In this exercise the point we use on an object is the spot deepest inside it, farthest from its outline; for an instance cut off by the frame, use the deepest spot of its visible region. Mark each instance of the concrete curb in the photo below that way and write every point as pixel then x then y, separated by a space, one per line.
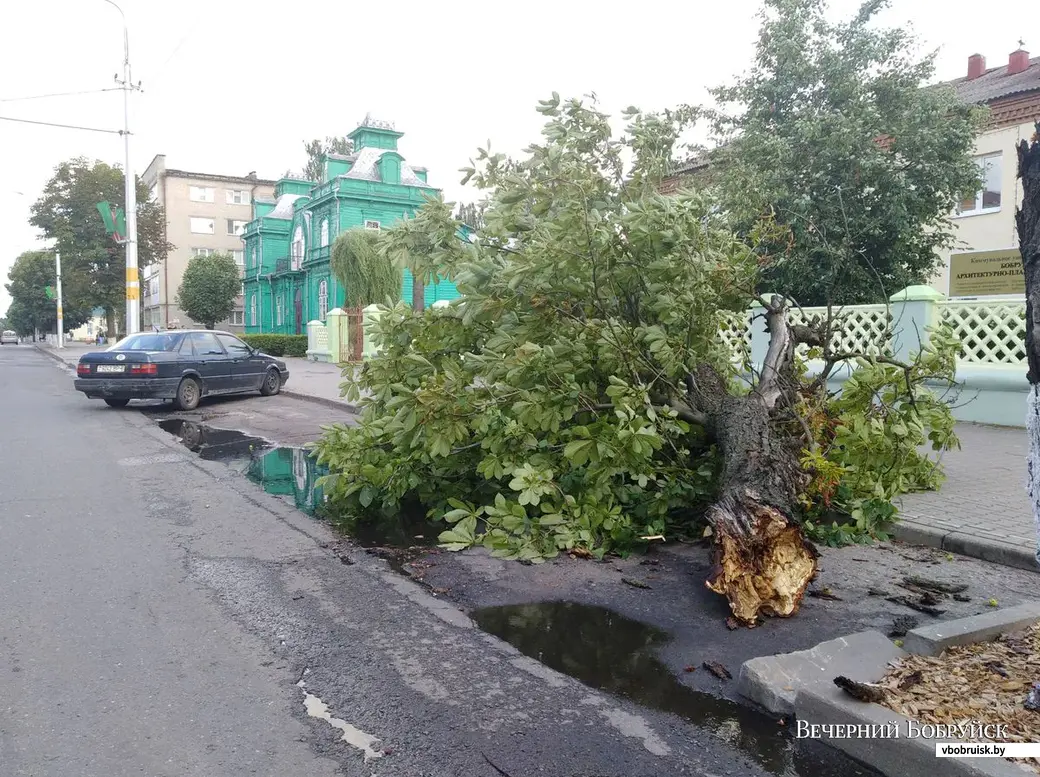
pixel 338 404
pixel 56 356
pixel 996 551
pixel 933 639
pixel 888 744
pixel 893 756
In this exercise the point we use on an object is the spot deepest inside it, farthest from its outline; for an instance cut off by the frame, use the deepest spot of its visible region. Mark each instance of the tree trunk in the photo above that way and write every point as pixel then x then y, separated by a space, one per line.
pixel 110 322
pixel 1027 220
pixel 418 293
pixel 763 562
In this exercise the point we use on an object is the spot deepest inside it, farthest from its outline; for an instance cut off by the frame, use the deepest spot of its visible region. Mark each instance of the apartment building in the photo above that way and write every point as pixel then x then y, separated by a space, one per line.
pixel 205 214
pixel 986 262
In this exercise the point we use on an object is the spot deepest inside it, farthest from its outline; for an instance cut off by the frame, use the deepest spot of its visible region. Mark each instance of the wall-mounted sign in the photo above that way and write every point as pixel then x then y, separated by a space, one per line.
pixel 987 273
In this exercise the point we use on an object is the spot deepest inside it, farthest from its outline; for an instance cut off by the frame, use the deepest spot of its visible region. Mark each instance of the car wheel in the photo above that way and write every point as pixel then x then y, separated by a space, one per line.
pixel 272 383
pixel 116 402
pixel 188 394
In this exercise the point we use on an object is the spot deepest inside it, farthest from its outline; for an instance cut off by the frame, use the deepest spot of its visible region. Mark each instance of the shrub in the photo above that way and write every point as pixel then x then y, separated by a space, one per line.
pixel 279 345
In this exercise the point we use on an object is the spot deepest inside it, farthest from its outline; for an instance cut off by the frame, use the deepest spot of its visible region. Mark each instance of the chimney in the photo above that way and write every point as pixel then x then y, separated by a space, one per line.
pixel 1018 62
pixel 976 66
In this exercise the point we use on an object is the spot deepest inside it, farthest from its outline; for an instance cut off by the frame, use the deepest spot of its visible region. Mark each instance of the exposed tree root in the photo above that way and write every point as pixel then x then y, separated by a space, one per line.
pixel 763 570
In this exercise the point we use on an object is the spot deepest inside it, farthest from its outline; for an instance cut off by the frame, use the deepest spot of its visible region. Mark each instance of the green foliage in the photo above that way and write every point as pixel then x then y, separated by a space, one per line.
pixel 877 440
pixel 32 308
pixel 833 132
pixel 316 150
pixel 279 345
pixel 93 264
pixel 368 276
pixel 209 288
pixel 534 415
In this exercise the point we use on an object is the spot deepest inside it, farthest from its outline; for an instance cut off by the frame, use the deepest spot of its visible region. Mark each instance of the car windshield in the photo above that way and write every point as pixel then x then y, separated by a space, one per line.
pixel 148 342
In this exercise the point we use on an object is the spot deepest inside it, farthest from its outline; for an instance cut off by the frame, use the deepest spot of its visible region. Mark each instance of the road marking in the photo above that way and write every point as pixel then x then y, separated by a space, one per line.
pixel 352 735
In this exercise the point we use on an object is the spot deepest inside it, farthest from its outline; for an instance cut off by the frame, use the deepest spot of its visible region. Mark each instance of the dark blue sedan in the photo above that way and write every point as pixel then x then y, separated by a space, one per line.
pixel 182 365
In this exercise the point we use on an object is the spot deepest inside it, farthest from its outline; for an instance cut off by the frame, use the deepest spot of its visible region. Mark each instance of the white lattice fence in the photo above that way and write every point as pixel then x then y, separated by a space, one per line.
pixel 736 334
pixel 857 329
pixel 990 332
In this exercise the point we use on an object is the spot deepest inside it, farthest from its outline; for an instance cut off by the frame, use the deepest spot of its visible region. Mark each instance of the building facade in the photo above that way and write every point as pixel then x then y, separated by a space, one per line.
pixel 288 242
pixel 205 214
pixel 986 262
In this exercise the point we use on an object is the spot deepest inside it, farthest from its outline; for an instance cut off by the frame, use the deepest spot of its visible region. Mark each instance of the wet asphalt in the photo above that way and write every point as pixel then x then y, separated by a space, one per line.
pixel 158 612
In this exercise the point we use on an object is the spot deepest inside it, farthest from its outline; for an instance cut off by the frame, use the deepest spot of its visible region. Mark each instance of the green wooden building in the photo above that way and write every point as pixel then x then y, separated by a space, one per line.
pixel 288 281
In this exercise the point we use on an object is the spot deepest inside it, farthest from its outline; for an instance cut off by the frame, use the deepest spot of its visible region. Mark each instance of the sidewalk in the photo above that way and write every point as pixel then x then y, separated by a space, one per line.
pixel 313 381
pixel 982 509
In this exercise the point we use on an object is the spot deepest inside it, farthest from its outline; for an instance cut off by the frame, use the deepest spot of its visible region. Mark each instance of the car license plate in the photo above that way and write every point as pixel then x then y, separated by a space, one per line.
pixel 110 367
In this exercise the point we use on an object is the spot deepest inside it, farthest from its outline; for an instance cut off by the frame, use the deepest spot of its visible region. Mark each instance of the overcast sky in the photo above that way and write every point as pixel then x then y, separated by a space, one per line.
pixel 233 86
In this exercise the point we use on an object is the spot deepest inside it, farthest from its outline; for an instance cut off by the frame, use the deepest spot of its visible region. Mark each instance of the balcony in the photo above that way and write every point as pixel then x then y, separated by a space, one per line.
pixel 287 264
pixel 318 254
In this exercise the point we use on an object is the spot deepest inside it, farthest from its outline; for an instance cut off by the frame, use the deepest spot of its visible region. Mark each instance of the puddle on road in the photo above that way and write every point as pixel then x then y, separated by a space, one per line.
pixel 210 443
pixel 292 473
pixel 615 654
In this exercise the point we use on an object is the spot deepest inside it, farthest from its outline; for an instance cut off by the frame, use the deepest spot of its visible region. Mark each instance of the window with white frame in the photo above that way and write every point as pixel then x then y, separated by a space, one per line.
pixel 200 193
pixel 278 310
pixel 237 317
pixel 200 226
pixel 252 310
pixel 240 257
pixel 987 198
pixel 237 196
pixel 324 232
pixel 323 300
pixel 202 252
pixel 235 227
pixel 371 224
pixel 297 247
pixel 253 263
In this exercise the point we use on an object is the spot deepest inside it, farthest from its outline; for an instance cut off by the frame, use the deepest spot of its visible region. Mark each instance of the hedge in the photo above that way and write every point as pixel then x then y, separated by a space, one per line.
pixel 279 345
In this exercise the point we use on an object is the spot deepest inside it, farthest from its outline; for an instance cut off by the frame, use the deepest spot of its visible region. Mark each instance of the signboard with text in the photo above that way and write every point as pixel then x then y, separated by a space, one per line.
pixel 987 273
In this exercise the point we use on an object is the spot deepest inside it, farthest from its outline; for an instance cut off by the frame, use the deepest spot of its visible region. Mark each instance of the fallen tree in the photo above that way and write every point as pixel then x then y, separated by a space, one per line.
pixel 579 397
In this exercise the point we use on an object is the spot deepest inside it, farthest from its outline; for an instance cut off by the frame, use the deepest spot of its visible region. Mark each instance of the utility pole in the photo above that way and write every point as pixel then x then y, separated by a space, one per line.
pixel 57 298
pixel 133 282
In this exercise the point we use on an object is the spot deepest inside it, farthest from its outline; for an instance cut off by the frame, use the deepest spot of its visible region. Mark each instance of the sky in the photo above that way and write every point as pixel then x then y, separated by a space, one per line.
pixel 231 86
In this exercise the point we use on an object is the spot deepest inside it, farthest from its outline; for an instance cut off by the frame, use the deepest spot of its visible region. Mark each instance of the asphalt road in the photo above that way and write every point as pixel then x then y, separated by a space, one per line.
pixel 158 614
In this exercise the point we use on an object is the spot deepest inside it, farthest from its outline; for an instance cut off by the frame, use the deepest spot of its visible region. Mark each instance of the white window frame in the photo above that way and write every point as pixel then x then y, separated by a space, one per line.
pixel 236 196
pixel 371 224
pixel 979 209
pixel 197 224
pixel 298 248
pixel 278 310
pixel 239 255
pixel 201 193
pixel 324 233
pixel 252 310
pixel 236 227
pixel 203 251
pixel 238 317
pixel 253 265
pixel 323 299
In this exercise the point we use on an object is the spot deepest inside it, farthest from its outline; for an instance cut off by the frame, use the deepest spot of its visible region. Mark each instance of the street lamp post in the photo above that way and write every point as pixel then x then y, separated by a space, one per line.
pixel 57 298
pixel 133 283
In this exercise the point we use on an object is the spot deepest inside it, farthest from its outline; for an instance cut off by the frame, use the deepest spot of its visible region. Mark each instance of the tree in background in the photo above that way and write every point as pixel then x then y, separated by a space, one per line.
pixel 33 307
pixel 832 134
pixel 471 214
pixel 366 273
pixel 316 149
pixel 209 288
pixel 93 264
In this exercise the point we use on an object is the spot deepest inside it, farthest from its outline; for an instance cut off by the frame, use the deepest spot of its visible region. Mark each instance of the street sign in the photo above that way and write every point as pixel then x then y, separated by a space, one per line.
pixel 115 221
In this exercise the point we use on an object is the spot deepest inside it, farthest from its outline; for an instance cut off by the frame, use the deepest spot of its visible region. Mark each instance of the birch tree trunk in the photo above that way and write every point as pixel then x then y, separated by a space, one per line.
pixel 1027 219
